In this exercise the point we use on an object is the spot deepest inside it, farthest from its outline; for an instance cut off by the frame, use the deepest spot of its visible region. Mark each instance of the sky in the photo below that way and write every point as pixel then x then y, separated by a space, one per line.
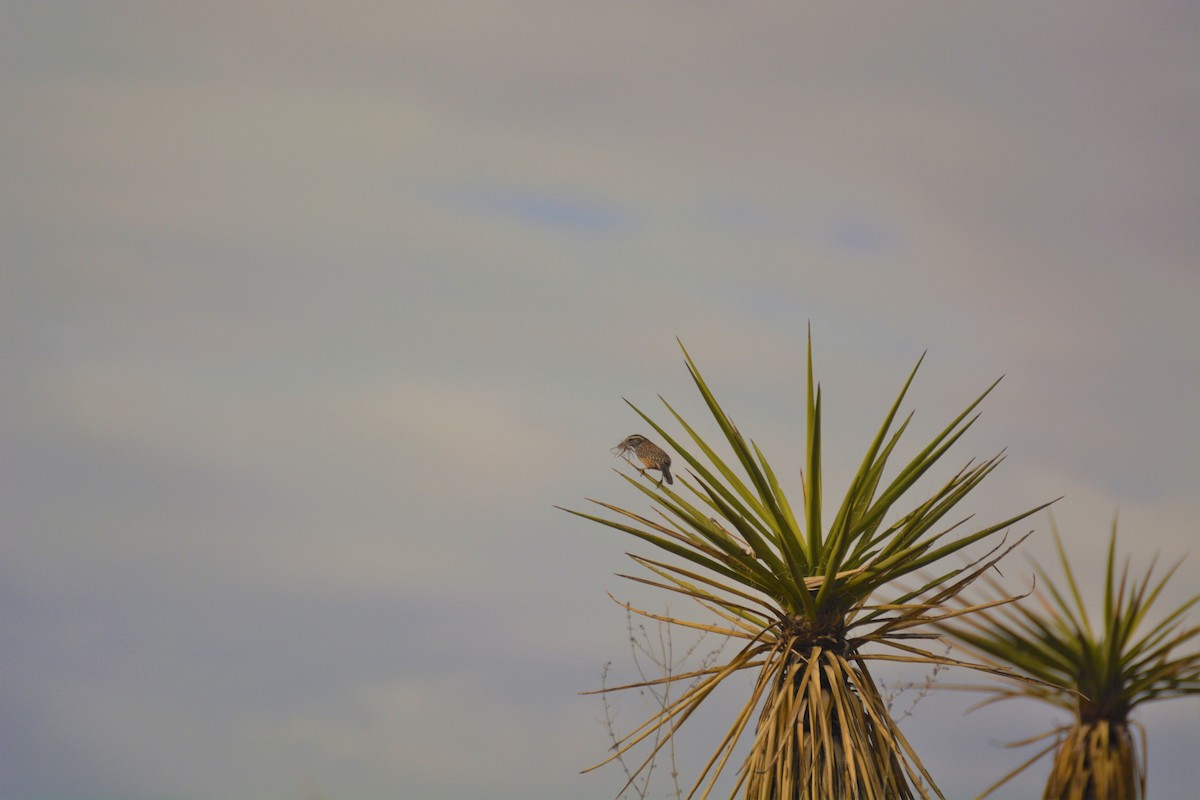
pixel 311 314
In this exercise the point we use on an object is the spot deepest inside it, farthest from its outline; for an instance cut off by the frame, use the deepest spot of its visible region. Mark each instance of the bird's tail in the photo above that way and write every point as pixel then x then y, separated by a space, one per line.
pixel 666 473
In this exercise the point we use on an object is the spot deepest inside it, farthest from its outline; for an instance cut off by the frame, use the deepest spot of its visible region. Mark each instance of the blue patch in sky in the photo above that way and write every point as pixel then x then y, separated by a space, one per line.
pixel 563 212
pixel 858 235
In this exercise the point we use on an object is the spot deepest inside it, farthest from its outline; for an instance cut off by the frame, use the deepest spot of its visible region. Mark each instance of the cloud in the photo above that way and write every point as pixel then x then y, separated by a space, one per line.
pixel 405 471
pixel 423 734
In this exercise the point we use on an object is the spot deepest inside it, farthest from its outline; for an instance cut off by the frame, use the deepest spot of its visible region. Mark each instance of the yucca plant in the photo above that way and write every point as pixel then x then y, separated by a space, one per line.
pixel 802 598
pixel 1097 674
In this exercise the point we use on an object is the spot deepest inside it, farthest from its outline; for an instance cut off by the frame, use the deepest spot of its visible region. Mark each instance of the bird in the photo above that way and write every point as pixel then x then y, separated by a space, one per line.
pixel 651 455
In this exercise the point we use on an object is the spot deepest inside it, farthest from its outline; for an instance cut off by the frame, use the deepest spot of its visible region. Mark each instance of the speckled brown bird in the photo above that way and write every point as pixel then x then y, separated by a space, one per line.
pixel 651 455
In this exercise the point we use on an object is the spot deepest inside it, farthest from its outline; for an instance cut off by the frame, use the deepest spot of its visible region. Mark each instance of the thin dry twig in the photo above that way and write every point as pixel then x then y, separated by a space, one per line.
pixel 654 654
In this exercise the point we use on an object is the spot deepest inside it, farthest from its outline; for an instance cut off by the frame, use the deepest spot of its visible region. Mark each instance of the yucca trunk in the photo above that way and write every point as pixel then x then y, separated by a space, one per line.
pixel 824 732
pixel 1096 761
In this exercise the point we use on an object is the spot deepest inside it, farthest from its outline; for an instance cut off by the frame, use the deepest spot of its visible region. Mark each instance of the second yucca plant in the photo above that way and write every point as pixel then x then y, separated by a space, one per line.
pixel 803 598
pixel 1096 673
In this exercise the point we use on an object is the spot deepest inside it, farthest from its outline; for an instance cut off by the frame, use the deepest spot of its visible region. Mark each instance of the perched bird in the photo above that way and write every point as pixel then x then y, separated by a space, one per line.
pixel 651 455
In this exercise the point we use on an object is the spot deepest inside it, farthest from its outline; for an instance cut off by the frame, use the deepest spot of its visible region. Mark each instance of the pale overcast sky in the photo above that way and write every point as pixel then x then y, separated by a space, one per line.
pixel 309 313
